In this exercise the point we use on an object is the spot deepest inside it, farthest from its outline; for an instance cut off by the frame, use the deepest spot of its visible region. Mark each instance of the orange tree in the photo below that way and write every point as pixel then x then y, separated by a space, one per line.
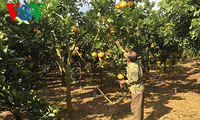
pixel 19 74
pixel 182 26
pixel 54 37
pixel 136 27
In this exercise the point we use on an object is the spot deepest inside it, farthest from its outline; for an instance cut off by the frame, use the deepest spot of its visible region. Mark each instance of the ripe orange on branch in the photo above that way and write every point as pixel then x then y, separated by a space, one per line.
pixel 74 53
pixel 101 20
pixel 77 48
pixel 102 59
pixel 117 6
pixel 39 32
pixel 123 4
pixel 158 62
pixel 120 76
pixel 108 35
pixel 81 53
pixel 94 54
pixel 130 3
pixel 105 63
pixel 127 49
pixel 73 28
pixel 152 45
pixel 101 54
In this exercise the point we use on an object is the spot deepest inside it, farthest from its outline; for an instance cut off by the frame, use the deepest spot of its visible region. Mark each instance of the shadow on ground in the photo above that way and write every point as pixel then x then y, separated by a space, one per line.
pixel 162 85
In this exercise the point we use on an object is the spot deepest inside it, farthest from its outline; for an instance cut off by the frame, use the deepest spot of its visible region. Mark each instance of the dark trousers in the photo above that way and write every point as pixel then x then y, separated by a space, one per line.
pixel 137 106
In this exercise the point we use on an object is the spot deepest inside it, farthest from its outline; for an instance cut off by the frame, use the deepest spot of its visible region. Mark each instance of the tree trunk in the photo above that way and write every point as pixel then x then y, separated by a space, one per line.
pixel 18 117
pixel 68 75
pixel 165 67
pixel 63 78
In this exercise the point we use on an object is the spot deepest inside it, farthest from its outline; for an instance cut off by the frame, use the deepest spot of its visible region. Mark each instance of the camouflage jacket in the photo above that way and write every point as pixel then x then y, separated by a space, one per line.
pixel 134 75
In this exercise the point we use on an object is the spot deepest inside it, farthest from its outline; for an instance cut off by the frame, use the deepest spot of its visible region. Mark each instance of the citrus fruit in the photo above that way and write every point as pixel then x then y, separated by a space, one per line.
pixel 120 76
pixel 77 48
pixel 158 62
pixel 73 28
pixel 94 54
pixel 105 63
pixel 101 54
pixel 149 65
pixel 81 53
pixel 111 29
pixel 78 31
pixel 152 45
pixel 131 3
pixel 39 32
pixel 74 53
pixel 101 59
pixel 123 4
pixel 61 50
pixel 126 49
pixel 117 6
pixel 108 35
pixel 110 51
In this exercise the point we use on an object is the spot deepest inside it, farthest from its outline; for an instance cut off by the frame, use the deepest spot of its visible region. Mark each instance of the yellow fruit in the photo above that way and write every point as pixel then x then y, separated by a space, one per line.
pixel 48 68
pixel 110 51
pixel 152 45
pixel 39 32
pixel 94 54
pixel 150 56
pixel 117 6
pixel 29 57
pixel 41 53
pixel 77 48
pixel 126 49
pixel 108 35
pixel 61 50
pixel 102 59
pixel 74 28
pixel 81 53
pixel 78 31
pixel 101 19
pixel 131 3
pixel 74 53
pixel 111 29
pixel 158 62
pixel 149 65
pixel 123 4
pixel 120 76
pixel 110 41
pixel 105 63
pixel 151 93
pixel 101 54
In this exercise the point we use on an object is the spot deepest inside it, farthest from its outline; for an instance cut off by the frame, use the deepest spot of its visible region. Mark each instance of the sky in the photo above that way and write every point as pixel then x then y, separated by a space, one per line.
pixel 85 7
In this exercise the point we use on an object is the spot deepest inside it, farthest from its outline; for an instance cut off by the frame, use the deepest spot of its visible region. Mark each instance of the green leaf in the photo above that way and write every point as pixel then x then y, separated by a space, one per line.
pixel 52 115
pixel 2 47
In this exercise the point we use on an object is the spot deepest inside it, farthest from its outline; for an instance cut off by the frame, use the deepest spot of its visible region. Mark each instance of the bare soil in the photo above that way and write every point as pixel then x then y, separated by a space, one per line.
pixel 176 96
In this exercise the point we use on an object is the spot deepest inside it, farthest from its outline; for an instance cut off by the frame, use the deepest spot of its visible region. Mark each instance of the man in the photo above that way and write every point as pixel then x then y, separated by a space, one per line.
pixel 135 83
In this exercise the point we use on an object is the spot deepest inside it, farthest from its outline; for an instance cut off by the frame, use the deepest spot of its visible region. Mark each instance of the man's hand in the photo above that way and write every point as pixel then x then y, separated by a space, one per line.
pixel 122 81
pixel 118 44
